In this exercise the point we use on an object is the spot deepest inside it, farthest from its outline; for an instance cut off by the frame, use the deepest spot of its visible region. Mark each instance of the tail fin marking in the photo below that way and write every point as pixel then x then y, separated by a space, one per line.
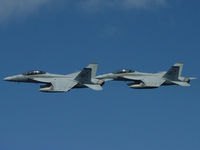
pixel 84 76
pixel 174 72
pixel 93 67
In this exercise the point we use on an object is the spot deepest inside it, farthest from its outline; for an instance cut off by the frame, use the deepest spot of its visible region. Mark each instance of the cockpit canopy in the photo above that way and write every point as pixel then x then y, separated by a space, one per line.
pixel 123 71
pixel 34 72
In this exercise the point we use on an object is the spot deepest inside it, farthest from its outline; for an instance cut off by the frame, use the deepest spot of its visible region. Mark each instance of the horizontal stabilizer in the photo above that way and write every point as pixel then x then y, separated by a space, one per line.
pixel 94 87
pixel 181 83
pixel 192 78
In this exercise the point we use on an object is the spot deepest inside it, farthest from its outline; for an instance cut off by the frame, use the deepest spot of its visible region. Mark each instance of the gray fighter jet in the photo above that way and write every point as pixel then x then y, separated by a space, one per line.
pixel 139 80
pixel 61 83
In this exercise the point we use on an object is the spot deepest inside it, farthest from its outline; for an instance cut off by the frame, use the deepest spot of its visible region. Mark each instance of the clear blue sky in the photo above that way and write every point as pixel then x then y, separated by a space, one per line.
pixel 65 36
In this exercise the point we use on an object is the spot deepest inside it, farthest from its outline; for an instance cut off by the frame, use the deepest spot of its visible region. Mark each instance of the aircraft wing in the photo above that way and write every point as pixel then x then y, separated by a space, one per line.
pixel 148 81
pixel 59 84
pixel 63 84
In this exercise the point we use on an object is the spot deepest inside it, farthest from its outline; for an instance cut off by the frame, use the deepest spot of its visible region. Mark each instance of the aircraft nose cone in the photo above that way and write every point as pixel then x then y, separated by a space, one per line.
pixel 16 78
pixel 8 79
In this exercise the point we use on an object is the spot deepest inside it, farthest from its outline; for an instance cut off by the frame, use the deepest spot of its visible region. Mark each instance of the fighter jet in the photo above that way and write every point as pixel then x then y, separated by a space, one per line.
pixel 61 83
pixel 140 80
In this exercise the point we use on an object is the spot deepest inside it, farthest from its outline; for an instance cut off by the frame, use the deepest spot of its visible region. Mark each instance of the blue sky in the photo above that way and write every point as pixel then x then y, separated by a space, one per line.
pixel 65 36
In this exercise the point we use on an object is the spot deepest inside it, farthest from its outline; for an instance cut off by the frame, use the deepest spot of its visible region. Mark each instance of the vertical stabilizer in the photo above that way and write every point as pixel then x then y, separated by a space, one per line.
pixel 180 65
pixel 87 75
pixel 84 76
pixel 93 67
pixel 174 72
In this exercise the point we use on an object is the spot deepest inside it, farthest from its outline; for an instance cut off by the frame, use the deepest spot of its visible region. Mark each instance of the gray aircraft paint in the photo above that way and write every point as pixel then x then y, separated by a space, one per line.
pixel 140 80
pixel 61 83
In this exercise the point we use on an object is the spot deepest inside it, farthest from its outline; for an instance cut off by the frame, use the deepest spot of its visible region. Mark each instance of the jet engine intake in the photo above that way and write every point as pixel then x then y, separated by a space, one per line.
pixel 46 88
